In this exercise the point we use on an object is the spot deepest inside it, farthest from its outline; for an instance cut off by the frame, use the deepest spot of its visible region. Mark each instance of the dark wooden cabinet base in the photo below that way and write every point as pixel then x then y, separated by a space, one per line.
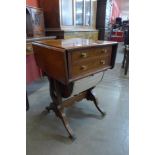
pixel 58 105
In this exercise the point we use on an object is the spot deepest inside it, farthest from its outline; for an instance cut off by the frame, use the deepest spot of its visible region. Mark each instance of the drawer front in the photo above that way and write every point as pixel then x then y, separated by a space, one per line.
pixel 92 52
pixel 90 65
pixel 88 61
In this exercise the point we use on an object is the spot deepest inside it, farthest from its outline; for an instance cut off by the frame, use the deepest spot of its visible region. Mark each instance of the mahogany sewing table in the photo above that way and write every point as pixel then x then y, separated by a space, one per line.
pixel 67 61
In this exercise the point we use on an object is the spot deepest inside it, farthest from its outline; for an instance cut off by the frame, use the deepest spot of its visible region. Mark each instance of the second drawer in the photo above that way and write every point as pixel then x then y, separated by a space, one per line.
pixel 84 67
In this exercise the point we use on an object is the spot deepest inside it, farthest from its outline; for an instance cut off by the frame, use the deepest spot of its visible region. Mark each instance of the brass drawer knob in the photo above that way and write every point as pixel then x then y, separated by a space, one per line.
pixel 83 55
pixel 102 62
pixel 104 50
pixel 83 67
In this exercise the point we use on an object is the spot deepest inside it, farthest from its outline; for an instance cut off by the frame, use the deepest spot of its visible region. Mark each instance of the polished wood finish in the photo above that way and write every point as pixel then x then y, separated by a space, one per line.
pixel 58 106
pixel 82 67
pixel 58 58
pixel 66 61
pixel 84 54
pixel 59 33
pixel 92 97
pixel 29 49
pixel 51 13
pixel 100 18
pixel 75 43
pixel 52 61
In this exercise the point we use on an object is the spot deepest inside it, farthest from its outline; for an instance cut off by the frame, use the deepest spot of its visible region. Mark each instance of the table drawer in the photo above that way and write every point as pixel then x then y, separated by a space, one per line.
pixel 91 52
pixel 89 66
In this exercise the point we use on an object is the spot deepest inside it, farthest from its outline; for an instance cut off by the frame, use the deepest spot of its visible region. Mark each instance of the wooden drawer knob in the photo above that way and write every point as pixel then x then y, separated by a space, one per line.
pixel 83 68
pixel 83 55
pixel 102 62
pixel 104 50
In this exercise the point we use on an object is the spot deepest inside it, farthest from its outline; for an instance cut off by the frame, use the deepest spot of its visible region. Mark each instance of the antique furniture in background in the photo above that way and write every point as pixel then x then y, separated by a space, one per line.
pixel 70 18
pixel 100 18
pixel 71 73
pixel 33 72
pixel 34 29
pixel 125 63
pixel 34 22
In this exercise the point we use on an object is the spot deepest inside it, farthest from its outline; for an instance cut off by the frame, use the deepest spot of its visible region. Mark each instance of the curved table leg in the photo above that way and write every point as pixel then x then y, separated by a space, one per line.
pixel 56 106
pixel 91 97
pixel 65 122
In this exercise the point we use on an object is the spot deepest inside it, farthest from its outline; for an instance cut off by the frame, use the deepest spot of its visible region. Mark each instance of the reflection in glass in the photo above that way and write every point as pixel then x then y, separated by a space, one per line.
pixel 87 12
pixel 79 12
pixel 66 14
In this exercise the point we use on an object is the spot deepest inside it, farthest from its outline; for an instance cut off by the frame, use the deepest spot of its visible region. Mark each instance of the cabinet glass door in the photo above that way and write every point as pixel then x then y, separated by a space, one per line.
pixel 67 12
pixel 87 12
pixel 79 12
